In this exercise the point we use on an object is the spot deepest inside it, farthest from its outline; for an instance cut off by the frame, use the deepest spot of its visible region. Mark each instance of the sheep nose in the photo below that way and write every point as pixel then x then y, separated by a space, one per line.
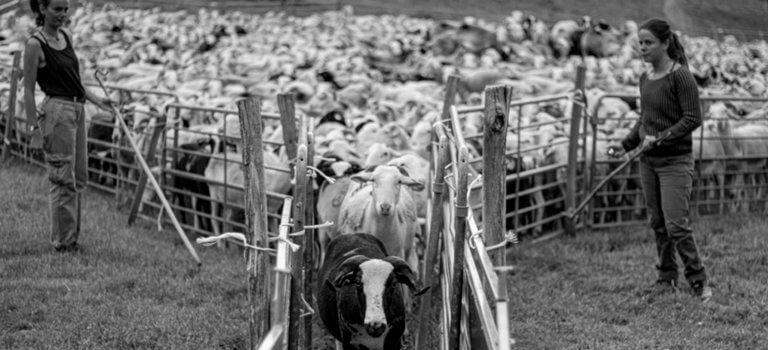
pixel 375 329
pixel 385 208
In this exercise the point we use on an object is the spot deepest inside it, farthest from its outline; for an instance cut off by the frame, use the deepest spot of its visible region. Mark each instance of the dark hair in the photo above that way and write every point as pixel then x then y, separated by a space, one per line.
pixel 662 31
pixel 34 5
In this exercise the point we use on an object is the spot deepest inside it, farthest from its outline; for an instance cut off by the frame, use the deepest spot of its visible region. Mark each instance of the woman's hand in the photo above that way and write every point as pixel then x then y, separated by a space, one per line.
pixel 105 103
pixel 615 151
pixel 649 142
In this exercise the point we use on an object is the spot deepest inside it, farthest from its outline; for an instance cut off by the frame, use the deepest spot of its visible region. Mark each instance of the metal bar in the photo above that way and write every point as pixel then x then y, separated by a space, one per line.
pixel 155 185
pixel 482 257
pixel 487 322
pixel 138 194
pixel 129 90
pixel 265 115
pixel 573 148
pixel 282 293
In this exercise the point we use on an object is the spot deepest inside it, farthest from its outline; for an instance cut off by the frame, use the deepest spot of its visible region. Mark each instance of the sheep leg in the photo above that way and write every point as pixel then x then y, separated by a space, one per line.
pixel 214 216
pixel 721 192
pixel 413 262
pixel 227 215
pixel 537 199
pixel 195 217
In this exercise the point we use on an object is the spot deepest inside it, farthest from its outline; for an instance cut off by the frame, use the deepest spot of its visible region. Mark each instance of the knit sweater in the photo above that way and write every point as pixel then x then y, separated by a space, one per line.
pixel 671 105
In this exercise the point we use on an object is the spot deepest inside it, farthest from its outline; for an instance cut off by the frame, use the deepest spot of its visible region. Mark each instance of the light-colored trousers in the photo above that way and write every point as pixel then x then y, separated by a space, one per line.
pixel 64 142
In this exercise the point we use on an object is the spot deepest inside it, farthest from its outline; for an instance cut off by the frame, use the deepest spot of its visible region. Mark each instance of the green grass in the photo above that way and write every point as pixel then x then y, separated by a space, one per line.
pixel 131 288
pixel 592 291
pixel 137 288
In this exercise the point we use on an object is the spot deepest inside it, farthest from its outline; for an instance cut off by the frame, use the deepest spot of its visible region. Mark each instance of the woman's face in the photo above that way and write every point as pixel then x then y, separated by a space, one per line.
pixel 56 13
pixel 651 48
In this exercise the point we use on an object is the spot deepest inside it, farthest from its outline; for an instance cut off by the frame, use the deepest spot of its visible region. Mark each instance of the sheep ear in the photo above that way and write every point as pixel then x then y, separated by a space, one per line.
pixel 361 177
pixel 330 285
pixel 415 185
pixel 404 274
pixel 347 268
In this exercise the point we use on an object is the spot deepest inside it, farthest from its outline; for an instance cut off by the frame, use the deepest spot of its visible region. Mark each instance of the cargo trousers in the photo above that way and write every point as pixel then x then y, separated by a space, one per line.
pixel 62 124
pixel 667 183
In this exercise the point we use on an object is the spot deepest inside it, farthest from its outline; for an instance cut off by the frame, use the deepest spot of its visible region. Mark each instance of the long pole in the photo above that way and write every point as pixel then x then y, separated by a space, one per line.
pixel 630 158
pixel 150 177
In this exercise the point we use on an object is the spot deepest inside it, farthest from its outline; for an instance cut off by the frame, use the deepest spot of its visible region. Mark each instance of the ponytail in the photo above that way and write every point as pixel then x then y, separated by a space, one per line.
pixel 34 5
pixel 676 50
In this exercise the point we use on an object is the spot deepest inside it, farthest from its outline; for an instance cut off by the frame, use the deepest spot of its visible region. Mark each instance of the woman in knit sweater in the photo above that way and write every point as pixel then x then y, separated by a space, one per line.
pixel 670 111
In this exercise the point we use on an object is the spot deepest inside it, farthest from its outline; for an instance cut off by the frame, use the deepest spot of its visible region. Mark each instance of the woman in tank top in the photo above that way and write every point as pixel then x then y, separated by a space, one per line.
pixel 51 62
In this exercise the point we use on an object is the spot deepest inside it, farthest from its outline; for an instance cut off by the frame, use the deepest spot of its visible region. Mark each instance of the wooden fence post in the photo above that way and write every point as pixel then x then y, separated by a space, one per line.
pixel 451 87
pixel 309 240
pixel 137 196
pixel 497 99
pixel 431 267
pixel 288 121
pixel 259 278
pixel 297 278
pixel 573 152
pixel 457 287
pixel 11 119
pixel 299 221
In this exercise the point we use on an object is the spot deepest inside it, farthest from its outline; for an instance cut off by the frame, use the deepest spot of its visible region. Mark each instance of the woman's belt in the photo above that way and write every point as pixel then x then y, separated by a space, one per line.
pixel 69 98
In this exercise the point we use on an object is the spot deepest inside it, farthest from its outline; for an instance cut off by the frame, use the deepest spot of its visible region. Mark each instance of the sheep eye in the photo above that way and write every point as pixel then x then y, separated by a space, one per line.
pixel 352 280
pixel 347 281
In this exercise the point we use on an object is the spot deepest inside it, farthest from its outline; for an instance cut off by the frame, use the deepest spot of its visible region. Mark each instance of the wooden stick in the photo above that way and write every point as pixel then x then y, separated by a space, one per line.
pixel 457 287
pixel 152 180
pixel 430 255
pixel 497 99
pixel 139 194
pixel 631 157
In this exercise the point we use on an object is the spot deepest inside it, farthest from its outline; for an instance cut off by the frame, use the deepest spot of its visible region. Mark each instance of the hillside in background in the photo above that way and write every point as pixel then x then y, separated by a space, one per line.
pixel 746 19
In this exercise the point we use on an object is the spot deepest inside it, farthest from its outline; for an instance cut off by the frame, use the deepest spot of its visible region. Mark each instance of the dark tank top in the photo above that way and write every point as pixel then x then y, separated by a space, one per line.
pixel 61 75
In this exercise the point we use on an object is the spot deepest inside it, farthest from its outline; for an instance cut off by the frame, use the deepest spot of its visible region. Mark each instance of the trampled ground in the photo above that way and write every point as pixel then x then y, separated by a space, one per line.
pixel 137 288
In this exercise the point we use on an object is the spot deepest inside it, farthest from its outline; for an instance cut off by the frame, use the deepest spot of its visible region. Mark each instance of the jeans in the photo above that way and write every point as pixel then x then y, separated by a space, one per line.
pixel 667 183
pixel 63 128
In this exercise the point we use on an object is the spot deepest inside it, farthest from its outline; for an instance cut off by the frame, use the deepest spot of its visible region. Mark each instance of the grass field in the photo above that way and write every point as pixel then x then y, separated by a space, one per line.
pixel 137 288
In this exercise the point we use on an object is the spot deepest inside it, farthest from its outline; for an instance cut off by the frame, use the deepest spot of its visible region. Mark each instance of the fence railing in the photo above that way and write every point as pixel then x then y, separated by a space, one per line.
pixel 122 176
pixel 9 5
pixel 720 176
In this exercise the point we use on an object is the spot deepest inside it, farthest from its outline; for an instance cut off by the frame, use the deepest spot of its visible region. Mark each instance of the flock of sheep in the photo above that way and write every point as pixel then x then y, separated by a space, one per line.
pixel 373 86
pixel 382 78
